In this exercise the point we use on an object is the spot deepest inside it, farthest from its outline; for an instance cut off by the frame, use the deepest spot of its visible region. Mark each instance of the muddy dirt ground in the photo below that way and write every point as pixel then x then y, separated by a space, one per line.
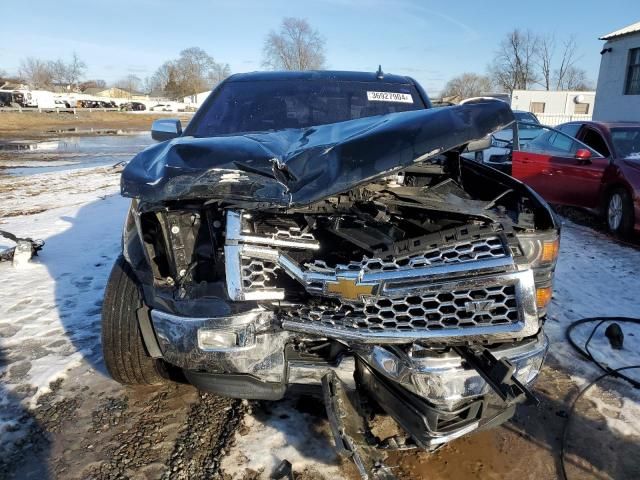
pixel 32 124
pixel 89 427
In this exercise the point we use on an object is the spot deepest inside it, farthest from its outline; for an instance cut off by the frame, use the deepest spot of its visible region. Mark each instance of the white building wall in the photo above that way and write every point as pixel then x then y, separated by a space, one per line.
pixel 612 104
pixel 560 106
pixel 196 100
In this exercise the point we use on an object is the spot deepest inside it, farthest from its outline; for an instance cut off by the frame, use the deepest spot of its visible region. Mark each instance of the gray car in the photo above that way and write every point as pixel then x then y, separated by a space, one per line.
pixel 498 155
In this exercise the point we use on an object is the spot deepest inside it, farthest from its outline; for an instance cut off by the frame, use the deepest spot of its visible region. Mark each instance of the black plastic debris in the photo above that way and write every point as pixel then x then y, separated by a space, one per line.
pixel 615 335
pixel 283 471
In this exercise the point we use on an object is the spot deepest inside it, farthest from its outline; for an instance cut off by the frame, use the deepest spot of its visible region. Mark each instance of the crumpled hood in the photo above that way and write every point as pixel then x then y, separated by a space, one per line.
pixel 297 167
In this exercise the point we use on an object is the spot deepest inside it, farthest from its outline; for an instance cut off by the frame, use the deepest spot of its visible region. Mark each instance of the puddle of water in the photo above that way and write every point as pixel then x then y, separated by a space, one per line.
pixel 92 131
pixel 28 146
pixel 71 152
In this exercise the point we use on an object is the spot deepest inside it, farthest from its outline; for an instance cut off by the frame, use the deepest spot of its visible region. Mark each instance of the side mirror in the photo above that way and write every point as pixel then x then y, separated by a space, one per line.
pixel 166 129
pixel 583 155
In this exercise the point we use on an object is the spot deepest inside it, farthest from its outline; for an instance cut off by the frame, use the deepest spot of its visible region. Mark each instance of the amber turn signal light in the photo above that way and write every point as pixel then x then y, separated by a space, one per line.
pixel 550 250
pixel 543 297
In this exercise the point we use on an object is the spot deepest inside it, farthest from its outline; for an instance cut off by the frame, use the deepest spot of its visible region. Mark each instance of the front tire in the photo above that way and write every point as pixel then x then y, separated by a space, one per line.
pixel 619 213
pixel 123 349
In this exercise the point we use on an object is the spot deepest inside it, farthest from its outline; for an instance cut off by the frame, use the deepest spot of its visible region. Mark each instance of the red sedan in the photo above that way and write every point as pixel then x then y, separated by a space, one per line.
pixel 593 165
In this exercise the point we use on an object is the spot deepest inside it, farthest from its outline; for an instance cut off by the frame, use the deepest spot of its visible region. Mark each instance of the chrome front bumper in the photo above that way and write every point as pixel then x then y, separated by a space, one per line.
pixel 255 347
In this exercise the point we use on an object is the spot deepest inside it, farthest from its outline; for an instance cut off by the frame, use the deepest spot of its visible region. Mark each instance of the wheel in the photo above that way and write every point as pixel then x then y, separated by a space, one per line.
pixel 122 346
pixel 620 212
pixel 479 157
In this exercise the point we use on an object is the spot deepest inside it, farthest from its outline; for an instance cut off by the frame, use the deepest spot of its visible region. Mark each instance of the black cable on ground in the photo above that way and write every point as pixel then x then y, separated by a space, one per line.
pixel 608 371
pixel 586 353
pixel 573 407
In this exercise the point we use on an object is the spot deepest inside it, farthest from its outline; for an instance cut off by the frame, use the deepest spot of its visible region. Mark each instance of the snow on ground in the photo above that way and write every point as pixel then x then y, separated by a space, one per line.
pixel 25 195
pixel 50 308
pixel 284 434
pixel 597 276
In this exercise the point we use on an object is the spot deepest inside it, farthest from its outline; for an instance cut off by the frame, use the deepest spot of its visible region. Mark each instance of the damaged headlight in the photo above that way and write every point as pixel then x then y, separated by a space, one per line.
pixel 496 142
pixel 541 251
pixel 448 387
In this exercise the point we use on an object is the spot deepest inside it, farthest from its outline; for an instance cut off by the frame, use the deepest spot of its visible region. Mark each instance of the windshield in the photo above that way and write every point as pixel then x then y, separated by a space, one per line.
pixel 526 130
pixel 526 117
pixel 626 141
pixel 240 107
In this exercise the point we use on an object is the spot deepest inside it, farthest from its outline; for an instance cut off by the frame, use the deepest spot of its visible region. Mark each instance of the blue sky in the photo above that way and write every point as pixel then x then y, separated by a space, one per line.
pixel 429 40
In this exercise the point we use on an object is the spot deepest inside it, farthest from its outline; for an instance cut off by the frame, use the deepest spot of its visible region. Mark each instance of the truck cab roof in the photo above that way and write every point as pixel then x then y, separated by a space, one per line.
pixel 336 75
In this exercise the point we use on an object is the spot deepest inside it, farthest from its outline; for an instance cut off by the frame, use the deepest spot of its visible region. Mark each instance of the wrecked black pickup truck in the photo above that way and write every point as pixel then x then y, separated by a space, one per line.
pixel 321 229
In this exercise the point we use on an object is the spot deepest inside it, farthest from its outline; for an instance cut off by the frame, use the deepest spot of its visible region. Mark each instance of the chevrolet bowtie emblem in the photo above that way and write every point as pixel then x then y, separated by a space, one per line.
pixel 349 289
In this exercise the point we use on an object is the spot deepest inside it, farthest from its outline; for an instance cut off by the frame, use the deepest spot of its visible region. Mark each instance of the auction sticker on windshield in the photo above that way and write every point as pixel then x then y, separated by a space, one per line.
pixel 389 97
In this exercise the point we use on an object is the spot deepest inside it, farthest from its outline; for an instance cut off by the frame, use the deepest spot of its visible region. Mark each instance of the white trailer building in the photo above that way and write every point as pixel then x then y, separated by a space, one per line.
pixel 619 78
pixel 196 100
pixel 555 107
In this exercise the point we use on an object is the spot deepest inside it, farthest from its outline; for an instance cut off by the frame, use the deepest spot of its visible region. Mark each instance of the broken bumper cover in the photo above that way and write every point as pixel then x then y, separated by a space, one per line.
pixel 241 356
pixel 444 379
pixel 251 346
pixel 431 426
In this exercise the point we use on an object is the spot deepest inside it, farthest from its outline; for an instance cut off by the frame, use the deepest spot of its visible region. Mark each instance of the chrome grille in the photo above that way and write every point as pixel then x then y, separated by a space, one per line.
pixel 257 273
pixel 292 233
pixel 467 251
pixel 427 311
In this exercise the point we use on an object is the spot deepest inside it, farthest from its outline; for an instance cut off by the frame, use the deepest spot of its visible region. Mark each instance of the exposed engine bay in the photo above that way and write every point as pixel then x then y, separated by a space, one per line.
pixel 422 286
pixel 331 255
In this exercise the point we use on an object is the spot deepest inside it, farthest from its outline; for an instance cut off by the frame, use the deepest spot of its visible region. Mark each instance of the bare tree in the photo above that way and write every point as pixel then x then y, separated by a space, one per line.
pixel 576 79
pixel 148 85
pixel 467 85
pixel 567 63
pixel 41 73
pixel 36 72
pixel 68 73
pixel 194 71
pixel 544 60
pixel 58 71
pixel 296 46
pixel 513 66
pixel 75 70
pixel 567 76
pixel 130 83
pixel 218 73
pixel 158 81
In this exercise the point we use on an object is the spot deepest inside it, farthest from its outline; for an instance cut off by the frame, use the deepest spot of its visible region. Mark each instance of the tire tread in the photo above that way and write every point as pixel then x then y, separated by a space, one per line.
pixel 123 349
